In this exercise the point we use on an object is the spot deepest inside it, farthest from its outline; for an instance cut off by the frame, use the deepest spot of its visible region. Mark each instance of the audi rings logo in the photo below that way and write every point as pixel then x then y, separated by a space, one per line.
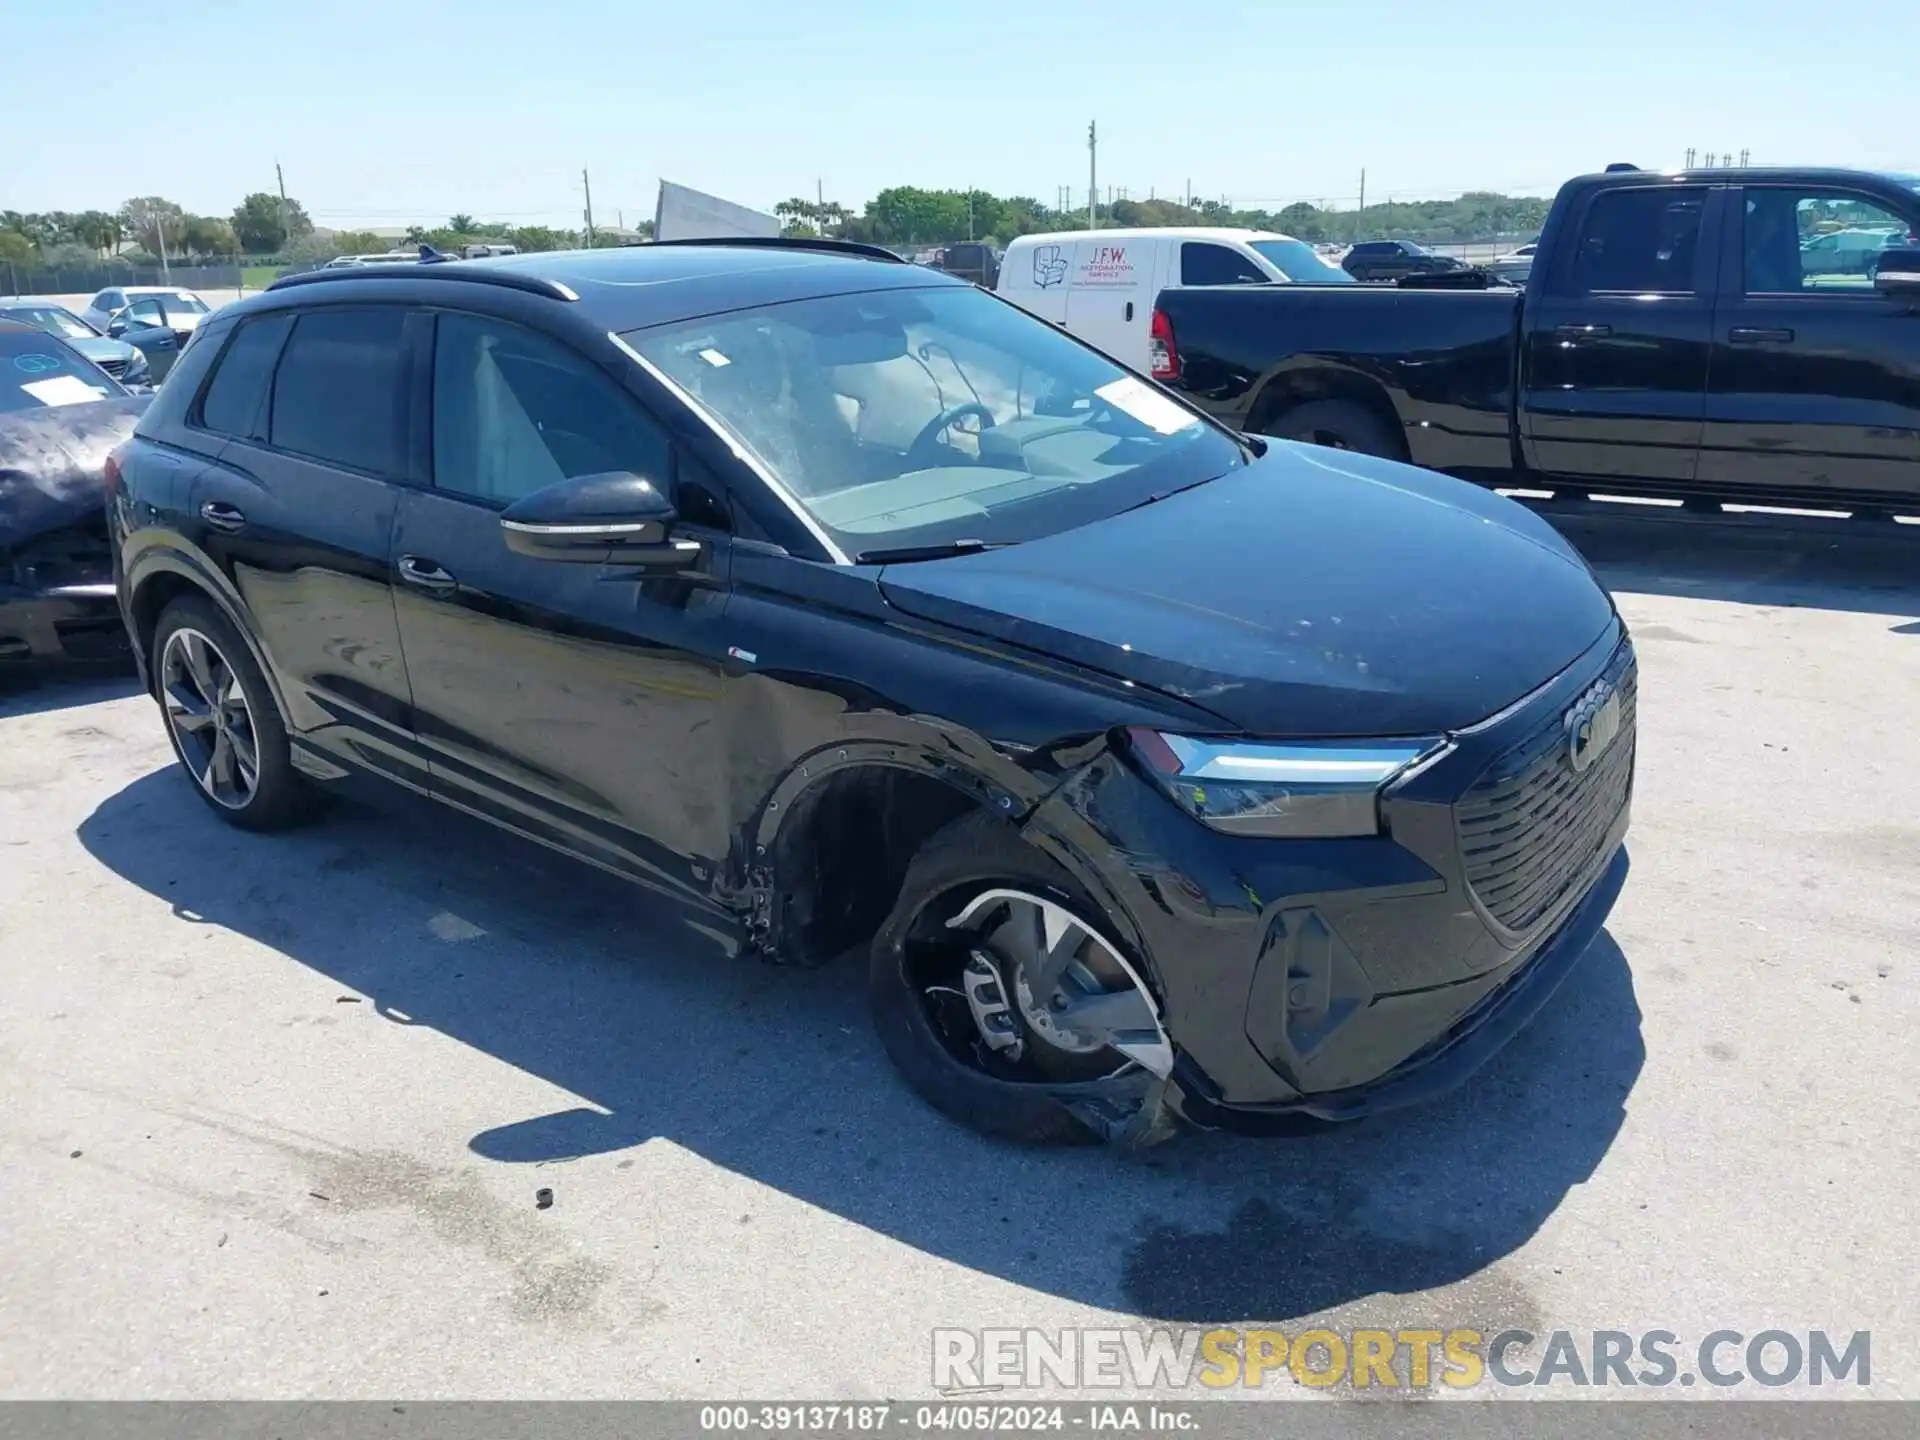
pixel 1592 724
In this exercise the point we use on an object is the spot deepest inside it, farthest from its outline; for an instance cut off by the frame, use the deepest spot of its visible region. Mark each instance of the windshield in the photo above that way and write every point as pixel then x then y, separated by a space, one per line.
pixel 904 418
pixel 53 320
pixel 1301 263
pixel 36 372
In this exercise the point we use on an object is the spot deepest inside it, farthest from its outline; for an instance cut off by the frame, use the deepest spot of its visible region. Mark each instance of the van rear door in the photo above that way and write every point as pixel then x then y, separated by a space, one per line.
pixel 1110 296
pixel 1034 277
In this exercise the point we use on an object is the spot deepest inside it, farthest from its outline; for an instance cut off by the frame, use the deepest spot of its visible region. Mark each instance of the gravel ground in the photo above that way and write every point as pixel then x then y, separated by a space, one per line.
pixel 276 1109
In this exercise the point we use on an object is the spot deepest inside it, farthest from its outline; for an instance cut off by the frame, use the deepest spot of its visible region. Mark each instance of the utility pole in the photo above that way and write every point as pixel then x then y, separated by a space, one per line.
pixel 587 185
pixel 160 230
pixel 286 230
pixel 1363 207
pixel 1093 181
pixel 1743 158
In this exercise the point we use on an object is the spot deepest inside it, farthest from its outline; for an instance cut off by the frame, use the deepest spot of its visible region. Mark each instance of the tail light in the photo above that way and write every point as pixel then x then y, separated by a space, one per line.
pixel 1163 355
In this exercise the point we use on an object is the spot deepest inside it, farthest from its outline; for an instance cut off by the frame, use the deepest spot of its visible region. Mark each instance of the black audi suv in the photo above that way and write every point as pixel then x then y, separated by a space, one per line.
pixel 1162 772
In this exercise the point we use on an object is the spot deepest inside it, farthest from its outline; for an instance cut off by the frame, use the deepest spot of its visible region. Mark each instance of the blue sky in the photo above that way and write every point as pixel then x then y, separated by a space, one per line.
pixel 404 111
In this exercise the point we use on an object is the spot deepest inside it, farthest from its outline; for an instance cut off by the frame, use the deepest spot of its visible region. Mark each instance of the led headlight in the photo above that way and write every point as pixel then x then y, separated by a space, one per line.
pixel 136 371
pixel 1318 789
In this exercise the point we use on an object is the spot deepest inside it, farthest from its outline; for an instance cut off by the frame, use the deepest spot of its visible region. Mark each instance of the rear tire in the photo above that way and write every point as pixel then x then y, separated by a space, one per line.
pixel 1337 425
pixel 222 720
pixel 1058 1097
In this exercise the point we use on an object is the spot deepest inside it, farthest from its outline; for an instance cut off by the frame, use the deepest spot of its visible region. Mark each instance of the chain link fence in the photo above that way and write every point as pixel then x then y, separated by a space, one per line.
pixel 76 279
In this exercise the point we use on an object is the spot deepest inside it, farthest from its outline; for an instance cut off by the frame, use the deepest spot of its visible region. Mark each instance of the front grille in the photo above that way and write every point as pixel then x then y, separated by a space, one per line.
pixel 116 367
pixel 1532 827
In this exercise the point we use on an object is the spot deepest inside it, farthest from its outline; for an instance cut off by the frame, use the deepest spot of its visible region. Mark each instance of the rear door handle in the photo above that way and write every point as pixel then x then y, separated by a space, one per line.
pixel 426 575
pixel 1756 335
pixel 1582 332
pixel 222 517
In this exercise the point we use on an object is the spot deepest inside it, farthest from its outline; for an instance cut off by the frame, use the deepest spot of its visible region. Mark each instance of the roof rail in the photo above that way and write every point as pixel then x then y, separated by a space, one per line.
pixel 415 270
pixel 792 242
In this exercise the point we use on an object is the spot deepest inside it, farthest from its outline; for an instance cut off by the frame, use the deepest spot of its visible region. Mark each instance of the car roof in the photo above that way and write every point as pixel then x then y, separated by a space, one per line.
pixel 154 289
pixel 631 287
pixel 1150 232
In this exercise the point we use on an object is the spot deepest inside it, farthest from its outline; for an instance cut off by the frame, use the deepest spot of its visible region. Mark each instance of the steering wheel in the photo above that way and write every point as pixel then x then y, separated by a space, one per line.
pixel 922 453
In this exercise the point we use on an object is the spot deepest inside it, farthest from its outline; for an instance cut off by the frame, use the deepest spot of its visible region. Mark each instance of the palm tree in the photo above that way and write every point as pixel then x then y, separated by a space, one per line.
pixel 462 224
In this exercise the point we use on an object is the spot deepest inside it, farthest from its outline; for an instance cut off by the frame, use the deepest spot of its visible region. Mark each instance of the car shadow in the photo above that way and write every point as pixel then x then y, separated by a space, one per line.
pixel 1793 562
pixel 38 689
pixel 661 1031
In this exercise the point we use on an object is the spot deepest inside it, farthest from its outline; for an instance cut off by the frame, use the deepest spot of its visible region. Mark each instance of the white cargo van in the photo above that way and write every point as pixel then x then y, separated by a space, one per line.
pixel 1101 284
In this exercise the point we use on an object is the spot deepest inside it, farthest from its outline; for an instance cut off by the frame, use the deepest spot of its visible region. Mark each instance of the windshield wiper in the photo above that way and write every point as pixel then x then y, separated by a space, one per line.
pixel 946 549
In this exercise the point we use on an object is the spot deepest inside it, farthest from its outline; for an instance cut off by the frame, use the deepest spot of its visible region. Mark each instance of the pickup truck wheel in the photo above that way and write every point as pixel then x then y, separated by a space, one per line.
pixel 1000 1000
pixel 1336 424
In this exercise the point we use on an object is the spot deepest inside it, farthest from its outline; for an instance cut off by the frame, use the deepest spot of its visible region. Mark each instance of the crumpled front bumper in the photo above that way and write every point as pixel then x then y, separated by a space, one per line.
pixel 72 622
pixel 1338 978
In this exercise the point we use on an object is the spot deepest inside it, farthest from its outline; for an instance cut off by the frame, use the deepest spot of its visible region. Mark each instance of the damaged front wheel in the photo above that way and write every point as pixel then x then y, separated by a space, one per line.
pixel 1002 1002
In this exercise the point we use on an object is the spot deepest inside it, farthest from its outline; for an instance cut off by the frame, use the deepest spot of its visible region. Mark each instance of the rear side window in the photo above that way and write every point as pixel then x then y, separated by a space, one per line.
pixel 1203 264
pixel 1641 242
pixel 337 395
pixel 235 402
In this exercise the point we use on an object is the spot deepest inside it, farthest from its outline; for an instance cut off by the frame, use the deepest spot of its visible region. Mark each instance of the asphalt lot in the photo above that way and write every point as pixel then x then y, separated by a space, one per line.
pixel 276 1109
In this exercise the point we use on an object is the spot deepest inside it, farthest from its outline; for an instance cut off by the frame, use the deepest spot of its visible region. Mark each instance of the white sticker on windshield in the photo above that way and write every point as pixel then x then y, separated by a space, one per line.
pixel 1147 405
pixel 714 357
pixel 64 390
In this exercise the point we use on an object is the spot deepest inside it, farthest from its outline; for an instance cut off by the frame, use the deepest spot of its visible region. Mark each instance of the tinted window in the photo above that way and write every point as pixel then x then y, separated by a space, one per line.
pixel 1370 248
pixel 1202 264
pixel 337 393
pixel 1644 242
pixel 910 417
pixel 514 412
pixel 233 401
pixel 1814 240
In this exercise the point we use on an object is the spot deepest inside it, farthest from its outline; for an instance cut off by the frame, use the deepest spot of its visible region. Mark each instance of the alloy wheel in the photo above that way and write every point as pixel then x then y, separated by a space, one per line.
pixel 211 721
pixel 1045 993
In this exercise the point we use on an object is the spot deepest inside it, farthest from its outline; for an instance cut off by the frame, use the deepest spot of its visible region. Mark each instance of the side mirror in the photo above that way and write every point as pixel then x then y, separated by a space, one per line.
pixel 1899 271
pixel 117 326
pixel 615 518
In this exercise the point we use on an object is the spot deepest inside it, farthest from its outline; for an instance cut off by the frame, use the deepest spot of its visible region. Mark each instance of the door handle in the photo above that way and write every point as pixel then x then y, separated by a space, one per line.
pixel 222 517
pixel 1582 332
pixel 1129 310
pixel 425 575
pixel 1756 335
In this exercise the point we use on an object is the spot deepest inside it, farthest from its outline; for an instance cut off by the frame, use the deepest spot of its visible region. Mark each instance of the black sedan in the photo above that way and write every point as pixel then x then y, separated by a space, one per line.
pixel 1161 772
pixel 60 417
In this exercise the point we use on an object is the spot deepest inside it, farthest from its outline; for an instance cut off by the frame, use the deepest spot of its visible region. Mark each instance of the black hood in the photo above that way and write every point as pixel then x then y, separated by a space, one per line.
pixel 52 461
pixel 1313 593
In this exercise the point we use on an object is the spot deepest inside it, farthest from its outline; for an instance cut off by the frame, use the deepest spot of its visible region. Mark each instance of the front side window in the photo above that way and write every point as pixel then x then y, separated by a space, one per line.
pixel 147 312
pixel 235 402
pixel 1796 241
pixel 1640 242
pixel 1205 264
pixel 337 395
pixel 515 412
pixel 903 418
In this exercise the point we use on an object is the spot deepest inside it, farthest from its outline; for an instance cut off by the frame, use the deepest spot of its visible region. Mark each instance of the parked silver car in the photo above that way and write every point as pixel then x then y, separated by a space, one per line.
pixel 123 361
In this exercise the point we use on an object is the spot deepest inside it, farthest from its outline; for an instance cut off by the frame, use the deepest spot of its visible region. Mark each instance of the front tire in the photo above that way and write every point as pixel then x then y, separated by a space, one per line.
pixel 222 720
pixel 945 988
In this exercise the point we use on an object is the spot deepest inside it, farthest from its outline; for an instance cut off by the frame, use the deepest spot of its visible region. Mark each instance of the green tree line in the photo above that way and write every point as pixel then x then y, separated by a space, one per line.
pixel 908 215
pixel 264 225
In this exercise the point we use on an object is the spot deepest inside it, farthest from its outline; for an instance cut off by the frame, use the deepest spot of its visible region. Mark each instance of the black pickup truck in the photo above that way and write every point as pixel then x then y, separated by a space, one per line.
pixel 1734 334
